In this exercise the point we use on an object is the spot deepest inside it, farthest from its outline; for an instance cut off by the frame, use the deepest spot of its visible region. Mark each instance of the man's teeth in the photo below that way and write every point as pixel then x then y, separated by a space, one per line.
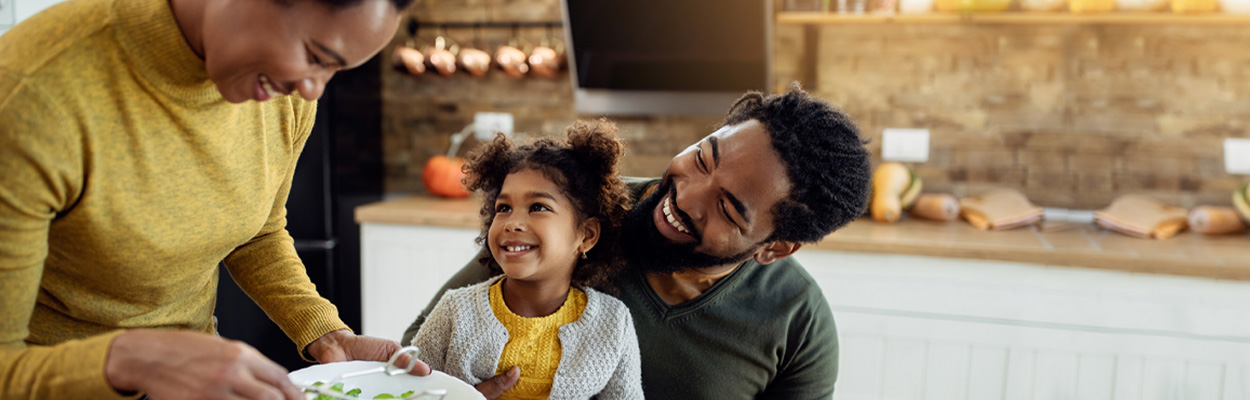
pixel 668 213
pixel 268 86
pixel 519 248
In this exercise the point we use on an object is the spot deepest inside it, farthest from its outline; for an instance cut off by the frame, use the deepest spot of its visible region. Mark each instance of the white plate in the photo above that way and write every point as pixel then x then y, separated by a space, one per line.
pixel 375 384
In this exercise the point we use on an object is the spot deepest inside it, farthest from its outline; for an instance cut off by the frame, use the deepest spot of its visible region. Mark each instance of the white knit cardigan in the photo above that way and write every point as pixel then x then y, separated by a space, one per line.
pixel 599 355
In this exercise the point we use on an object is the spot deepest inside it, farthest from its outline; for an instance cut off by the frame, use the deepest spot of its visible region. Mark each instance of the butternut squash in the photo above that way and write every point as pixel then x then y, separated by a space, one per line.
pixel 1241 200
pixel 890 182
pixel 1210 220
pixel 908 199
pixel 937 207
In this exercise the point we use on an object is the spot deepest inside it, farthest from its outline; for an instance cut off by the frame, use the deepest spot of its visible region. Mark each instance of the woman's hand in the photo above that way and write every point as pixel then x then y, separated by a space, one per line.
pixel 342 345
pixel 188 365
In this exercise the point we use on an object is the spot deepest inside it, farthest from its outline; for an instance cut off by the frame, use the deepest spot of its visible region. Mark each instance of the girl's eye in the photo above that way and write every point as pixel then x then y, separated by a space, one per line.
pixel 539 207
pixel 503 208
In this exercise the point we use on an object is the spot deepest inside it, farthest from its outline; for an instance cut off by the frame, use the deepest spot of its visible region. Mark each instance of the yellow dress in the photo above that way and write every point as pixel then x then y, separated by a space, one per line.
pixel 533 343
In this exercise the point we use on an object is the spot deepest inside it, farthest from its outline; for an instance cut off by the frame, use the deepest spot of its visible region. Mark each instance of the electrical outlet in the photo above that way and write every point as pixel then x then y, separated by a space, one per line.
pixel 1237 156
pixel 487 124
pixel 905 145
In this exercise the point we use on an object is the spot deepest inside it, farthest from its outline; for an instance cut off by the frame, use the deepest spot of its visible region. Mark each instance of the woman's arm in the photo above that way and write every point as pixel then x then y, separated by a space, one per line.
pixel 269 270
pixel 41 174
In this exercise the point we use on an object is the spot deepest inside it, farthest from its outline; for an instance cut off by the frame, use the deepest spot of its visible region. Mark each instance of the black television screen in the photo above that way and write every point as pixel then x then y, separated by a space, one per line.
pixel 691 47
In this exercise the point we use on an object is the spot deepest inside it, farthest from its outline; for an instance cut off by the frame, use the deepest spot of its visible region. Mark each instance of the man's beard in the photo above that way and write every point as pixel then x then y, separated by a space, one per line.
pixel 647 250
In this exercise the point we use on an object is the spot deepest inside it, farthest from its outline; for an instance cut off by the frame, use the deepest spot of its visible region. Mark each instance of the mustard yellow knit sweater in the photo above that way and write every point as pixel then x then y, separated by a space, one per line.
pixel 124 180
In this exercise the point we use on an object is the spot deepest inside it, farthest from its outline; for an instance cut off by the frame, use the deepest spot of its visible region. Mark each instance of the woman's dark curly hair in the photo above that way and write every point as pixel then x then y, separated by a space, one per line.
pixel 584 167
pixel 824 156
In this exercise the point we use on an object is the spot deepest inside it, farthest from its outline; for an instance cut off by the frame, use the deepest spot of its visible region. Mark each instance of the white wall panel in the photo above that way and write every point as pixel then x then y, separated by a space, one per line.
pixel 1163 379
pixel 1059 333
pixel 1128 377
pixel 906 365
pixel 1054 375
pixel 947 377
pixel 1095 377
pixel 1020 367
pixel 1204 381
pixel 863 379
pixel 987 373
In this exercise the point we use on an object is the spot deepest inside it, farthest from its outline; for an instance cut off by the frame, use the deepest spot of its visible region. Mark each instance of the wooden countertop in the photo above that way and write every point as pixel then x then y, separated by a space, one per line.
pixel 1059 244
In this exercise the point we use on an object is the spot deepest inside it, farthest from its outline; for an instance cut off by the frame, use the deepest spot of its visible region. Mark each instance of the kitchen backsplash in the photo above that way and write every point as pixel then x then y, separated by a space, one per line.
pixel 1072 115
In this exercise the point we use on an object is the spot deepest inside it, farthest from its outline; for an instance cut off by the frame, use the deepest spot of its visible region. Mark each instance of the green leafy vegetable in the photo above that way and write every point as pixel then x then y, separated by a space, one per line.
pixel 355 393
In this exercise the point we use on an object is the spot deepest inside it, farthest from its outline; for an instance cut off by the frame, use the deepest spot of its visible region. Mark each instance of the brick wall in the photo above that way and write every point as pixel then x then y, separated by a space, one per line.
pixel 1071 115
pixel 421 112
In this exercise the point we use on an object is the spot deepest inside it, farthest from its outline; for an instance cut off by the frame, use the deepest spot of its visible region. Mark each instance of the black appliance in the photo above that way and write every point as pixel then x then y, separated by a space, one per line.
pixel 340 168
pixel 665 57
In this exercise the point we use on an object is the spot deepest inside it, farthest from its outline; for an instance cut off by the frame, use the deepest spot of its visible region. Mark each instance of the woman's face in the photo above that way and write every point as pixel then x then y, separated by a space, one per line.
pixel 257 49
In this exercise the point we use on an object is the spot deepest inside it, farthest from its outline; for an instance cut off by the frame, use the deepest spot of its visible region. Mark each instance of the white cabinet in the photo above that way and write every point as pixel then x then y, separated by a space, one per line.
pixel 402 267
pixel 939 328
pixel 933 328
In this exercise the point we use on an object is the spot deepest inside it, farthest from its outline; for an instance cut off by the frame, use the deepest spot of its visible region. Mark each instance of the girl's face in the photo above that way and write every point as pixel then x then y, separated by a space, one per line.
pixel 535 235
pixel 257 49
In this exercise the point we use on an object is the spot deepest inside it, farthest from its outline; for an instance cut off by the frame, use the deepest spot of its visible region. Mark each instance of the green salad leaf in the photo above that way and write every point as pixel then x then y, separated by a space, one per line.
pixel 354 393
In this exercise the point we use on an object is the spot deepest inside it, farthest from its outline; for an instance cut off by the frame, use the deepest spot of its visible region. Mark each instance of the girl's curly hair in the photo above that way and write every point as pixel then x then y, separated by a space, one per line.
pixel 584 167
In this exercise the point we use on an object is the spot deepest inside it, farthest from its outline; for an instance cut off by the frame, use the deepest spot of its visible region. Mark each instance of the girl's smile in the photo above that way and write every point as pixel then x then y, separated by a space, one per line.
pixel 535 235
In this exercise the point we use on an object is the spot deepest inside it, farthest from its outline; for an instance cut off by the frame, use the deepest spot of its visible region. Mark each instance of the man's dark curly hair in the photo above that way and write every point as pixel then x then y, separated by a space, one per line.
pixel 825 159
pixel 584 167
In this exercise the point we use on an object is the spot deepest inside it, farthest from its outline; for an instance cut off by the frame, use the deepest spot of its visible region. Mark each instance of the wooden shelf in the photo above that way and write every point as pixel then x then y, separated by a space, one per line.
pixel 1013 17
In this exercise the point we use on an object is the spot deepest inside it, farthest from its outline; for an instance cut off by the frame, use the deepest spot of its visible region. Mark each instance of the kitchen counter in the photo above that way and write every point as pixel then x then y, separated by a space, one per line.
pixel 1058 244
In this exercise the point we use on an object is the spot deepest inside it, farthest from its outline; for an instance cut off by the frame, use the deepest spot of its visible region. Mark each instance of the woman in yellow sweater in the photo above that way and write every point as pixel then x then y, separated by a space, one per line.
pixel 551 218
pixel 142 143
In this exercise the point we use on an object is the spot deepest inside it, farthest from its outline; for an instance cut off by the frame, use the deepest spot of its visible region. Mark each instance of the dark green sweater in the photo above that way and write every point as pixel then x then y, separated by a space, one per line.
pixel 763 331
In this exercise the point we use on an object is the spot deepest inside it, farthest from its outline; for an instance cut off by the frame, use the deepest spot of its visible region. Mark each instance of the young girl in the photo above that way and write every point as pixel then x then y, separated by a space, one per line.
pixel 551 217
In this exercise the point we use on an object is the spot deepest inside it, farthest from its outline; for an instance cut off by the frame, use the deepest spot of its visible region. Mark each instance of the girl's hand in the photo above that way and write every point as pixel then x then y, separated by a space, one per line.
pixel 494 387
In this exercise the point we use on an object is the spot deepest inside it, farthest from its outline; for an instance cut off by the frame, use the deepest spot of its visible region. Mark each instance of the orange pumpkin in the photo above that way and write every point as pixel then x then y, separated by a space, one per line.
pixel 442 176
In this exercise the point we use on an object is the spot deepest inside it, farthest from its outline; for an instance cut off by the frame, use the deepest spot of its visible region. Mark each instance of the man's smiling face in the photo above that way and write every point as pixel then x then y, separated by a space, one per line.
pixel 714 204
